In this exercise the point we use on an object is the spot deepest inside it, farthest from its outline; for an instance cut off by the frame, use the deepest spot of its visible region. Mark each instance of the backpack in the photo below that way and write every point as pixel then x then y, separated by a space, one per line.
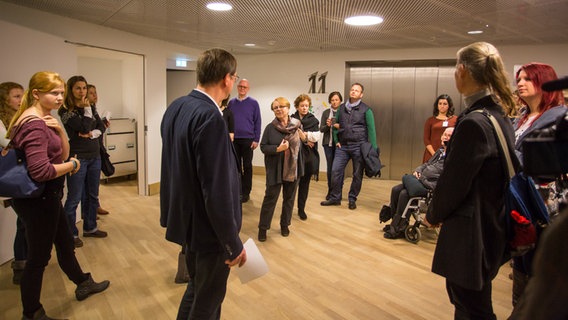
pixel 526 215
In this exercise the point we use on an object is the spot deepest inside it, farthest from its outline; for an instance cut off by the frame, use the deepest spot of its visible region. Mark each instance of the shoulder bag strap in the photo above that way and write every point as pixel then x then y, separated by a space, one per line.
pixel 502 141
pixel 18 127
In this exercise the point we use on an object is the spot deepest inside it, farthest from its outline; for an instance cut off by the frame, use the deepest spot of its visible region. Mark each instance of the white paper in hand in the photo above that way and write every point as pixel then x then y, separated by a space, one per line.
pixel 255 267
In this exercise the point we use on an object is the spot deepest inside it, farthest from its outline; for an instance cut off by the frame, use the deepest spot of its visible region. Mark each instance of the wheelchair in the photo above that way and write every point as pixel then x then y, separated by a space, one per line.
pixel 416 207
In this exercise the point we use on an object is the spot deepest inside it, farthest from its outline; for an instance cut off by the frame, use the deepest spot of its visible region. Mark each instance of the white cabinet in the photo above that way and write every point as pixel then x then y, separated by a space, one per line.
pixel 120 142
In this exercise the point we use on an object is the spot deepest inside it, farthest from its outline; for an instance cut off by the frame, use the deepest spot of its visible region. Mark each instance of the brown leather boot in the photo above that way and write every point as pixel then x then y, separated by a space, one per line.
pixel 102 211
pixel 89 287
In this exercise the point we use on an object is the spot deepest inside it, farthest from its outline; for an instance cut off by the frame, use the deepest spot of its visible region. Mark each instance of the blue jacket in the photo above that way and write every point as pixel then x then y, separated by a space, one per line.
pixel 200 182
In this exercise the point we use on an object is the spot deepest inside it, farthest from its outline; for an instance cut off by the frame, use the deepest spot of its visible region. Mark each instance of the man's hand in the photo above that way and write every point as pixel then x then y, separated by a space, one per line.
pixel 240 260
pixel 254 145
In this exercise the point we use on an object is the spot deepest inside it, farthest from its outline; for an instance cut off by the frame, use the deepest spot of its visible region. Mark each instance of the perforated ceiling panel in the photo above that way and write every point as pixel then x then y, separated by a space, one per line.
pixel 317 25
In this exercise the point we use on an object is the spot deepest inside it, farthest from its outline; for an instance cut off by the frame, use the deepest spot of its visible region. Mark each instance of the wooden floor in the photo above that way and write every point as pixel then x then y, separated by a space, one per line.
pixel 335 265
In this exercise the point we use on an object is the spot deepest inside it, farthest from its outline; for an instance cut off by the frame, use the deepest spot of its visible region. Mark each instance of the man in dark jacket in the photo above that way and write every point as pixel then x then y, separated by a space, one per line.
pixel 200 187
pixel 355 125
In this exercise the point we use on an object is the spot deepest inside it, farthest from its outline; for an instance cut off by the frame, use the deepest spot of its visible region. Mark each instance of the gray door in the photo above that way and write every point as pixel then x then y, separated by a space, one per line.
pixel 402 96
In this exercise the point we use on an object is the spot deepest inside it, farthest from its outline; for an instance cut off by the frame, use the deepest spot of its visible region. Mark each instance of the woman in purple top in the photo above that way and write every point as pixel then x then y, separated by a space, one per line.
pixel 45 145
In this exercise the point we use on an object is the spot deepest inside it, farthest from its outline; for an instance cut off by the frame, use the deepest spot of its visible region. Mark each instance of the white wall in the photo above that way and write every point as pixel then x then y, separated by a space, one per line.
pixel 34 41
pixel 286 75
pixel 106 75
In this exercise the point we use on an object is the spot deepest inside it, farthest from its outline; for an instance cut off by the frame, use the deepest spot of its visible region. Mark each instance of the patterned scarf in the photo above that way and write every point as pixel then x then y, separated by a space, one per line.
pixel 290 167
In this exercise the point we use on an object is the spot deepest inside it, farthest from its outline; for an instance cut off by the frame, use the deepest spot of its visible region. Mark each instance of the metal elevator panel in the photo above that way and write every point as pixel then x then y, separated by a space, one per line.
pixel 402 95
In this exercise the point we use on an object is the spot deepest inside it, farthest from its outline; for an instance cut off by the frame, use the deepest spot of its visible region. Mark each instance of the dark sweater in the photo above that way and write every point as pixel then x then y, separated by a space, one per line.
pixel 76 122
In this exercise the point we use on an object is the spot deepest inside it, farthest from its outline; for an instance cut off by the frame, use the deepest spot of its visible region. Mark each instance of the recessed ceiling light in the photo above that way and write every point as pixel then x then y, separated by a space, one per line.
pixel 363 20
pixel 475 32
pixel 219 6
pixel 250 44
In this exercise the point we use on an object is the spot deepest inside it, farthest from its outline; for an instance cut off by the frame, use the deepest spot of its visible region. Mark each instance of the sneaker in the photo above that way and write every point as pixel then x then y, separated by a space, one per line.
pixel 89 287
pixel 77 242
pixel 96 234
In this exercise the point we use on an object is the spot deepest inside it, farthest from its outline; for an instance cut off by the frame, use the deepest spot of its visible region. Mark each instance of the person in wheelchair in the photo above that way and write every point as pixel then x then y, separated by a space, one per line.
pixel 417 184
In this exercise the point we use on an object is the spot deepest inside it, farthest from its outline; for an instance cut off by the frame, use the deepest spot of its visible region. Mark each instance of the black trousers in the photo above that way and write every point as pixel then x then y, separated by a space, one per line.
pixel 471 304
pixel 244 155
pixel 206 288
pixel 269 204
pixel 46 225
pixel 304 188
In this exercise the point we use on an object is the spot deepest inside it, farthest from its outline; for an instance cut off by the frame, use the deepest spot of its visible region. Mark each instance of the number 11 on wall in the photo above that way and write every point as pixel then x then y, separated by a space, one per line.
pixel 321 80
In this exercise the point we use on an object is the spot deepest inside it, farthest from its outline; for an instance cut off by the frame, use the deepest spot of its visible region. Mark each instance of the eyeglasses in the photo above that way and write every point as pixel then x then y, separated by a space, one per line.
pixel 278 107
pixel 235 77
pixel 242 87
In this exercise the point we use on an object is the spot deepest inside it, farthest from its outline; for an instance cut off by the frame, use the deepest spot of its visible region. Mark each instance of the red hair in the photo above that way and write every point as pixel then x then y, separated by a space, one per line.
pixel 540 73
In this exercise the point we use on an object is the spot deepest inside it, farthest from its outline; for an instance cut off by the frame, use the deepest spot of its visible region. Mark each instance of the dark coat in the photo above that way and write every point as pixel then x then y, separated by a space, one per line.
pixel 371 159
pixel 310 155
pixel 273 160
pixel 200 182
pixel 430 170
pixel 469 200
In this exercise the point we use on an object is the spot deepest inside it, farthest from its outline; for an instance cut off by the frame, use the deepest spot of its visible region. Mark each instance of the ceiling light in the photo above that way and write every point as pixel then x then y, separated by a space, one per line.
pixel 219 6
pixel 363 20
pixel 250 44
pixel 475 32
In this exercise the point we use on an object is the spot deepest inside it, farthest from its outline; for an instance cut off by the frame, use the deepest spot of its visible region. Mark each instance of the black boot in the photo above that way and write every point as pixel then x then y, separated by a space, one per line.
pixel 18 268
pixel 40 315
pixel 261 235
pixel 182 276
pixel 89 286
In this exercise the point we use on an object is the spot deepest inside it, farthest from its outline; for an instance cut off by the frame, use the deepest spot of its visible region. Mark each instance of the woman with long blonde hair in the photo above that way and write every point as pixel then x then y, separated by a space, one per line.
pixel 46 147
pixel 469 200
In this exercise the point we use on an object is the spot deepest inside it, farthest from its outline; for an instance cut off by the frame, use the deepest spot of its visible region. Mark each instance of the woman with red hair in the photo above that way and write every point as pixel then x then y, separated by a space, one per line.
pixel 540 110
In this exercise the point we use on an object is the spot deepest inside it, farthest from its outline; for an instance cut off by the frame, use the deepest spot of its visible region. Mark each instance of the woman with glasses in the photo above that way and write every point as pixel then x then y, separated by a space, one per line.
pixel 442 118
pixel 280 143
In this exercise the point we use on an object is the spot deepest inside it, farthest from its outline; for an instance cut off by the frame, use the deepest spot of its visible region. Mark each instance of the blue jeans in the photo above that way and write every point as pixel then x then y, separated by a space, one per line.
pixel 342 156
pixel 86 179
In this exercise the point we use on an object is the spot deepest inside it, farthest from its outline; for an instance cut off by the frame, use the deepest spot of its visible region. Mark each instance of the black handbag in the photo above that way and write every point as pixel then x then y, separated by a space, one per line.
pixel 15 180
pixel 106 166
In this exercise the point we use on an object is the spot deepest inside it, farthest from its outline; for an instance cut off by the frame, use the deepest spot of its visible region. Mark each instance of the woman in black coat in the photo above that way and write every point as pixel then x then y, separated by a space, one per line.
pixel 469 198
pixel 309 150
pixel 280 144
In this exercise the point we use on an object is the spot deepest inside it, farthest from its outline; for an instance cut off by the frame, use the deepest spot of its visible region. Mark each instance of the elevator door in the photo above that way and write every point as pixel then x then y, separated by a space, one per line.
pixel 402 98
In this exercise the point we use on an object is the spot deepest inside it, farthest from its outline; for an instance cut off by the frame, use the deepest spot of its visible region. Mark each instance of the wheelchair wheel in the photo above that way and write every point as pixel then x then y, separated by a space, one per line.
pixel 412 234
